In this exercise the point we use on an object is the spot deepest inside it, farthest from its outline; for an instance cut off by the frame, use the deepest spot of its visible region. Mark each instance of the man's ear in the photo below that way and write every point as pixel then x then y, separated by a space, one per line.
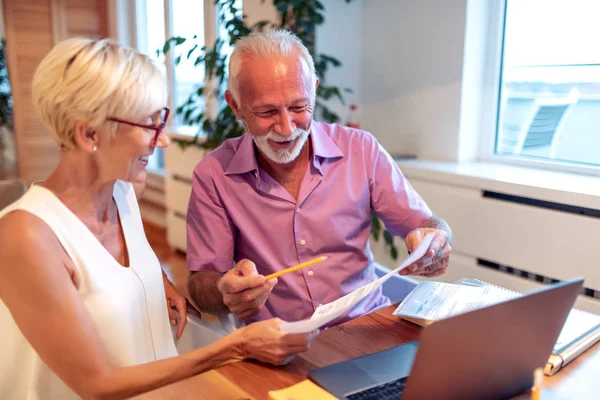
pixel 85 137
pixel 316 84
pixel 233 105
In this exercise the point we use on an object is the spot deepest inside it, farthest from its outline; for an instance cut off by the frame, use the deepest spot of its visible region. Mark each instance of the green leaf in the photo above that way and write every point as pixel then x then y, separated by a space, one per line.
pixel 282 7
pixel 166 47
pixel 387 236
pixel 178 60
pixel 179 40
pixel 376 222
pixel 394 253
pixel 191 51
pixel 375 226
pixel 260 25
pixel 199 60
pixel 329 59
pixel 183 144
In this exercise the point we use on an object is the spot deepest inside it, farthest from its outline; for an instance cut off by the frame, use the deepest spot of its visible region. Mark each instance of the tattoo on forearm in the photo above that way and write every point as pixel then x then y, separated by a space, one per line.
pixel 437 223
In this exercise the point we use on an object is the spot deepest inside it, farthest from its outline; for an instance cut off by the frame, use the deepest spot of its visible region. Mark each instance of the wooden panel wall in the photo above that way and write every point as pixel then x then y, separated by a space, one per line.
pixel 33 27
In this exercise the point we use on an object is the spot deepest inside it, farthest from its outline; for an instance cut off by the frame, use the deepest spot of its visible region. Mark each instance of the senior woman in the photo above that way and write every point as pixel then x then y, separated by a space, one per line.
pixel 82 295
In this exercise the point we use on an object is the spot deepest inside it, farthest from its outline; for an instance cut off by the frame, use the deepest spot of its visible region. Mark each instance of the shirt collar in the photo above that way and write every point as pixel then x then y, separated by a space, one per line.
pixel 323 145
pixel 244 159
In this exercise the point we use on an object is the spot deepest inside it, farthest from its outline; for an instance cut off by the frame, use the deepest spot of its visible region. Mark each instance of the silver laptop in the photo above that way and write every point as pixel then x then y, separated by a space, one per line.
pixel 489 353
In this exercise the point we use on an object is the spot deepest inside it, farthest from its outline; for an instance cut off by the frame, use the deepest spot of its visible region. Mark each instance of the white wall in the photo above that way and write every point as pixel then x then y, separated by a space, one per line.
pixel 411 74
pixel 340 37
pixel 404 60
pixel 473 102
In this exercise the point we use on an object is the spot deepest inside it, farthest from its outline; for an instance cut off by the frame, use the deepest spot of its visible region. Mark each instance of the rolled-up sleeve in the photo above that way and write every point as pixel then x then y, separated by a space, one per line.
pixel 210 231
pixel 393 198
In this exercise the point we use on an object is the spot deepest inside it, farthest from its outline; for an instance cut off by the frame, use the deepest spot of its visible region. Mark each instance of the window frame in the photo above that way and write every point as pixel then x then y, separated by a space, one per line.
pixel 210 34
pixel 491 103
pixel 128 26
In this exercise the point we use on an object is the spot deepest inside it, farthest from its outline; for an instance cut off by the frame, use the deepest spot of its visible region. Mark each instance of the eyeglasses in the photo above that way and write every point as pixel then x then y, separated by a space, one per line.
pixel 159 124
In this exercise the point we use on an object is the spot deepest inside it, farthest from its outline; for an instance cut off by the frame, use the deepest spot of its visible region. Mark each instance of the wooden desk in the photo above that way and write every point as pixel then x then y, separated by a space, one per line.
pixel 371 333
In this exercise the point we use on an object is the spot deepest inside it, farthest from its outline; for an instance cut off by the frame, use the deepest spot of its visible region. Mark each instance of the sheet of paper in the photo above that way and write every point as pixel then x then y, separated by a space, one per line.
pixel 326 313
pixel 436 300
pixel 577 325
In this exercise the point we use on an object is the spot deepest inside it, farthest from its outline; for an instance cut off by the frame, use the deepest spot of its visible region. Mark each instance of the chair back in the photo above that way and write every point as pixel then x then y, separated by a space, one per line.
pixel 535 129
pixel 10 191
pixel 397 287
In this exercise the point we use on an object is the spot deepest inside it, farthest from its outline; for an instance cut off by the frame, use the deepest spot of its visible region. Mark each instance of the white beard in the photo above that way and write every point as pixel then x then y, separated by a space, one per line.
pixel 281 156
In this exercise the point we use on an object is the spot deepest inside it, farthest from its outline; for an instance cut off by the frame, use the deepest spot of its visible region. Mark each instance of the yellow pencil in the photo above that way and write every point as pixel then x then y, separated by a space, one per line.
pixel 295 267
pixel 536 390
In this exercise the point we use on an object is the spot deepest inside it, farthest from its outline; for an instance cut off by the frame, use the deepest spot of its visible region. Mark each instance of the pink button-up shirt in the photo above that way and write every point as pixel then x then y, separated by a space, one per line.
pixel 238 211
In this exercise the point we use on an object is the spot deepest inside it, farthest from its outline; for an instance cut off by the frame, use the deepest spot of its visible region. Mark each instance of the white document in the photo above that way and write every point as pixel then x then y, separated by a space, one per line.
pixel 326 313
pixel 432 301
pixel 579 323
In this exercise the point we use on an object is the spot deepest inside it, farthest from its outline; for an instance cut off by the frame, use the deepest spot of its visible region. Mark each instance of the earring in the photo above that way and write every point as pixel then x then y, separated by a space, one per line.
pixel 94 148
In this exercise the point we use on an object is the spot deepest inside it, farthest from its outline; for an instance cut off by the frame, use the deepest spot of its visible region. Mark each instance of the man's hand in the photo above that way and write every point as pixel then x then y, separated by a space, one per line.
pixel 244 290
pixel 436 259
pixel 175 302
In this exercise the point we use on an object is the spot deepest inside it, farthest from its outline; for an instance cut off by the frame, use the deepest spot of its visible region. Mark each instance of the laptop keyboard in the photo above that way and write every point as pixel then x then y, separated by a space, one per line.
pixel 391 390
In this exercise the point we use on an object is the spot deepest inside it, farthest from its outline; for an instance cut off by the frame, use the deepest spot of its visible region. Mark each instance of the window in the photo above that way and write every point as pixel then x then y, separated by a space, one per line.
pixel 157 20
pixel 549 97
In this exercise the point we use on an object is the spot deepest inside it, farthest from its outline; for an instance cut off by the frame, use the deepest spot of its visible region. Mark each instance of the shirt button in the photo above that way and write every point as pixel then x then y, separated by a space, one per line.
pixel 311 273
pixel 303 242
pixel 298 209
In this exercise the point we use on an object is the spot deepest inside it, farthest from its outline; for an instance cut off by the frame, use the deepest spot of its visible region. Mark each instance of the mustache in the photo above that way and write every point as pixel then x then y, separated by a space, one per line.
pixel 282 139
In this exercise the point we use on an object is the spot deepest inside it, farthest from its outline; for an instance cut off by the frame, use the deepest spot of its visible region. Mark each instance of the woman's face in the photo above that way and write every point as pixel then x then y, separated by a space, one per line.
pixel 124 155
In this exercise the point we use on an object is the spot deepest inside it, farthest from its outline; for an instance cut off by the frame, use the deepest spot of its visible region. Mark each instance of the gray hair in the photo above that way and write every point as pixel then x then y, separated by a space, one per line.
pixel 262 44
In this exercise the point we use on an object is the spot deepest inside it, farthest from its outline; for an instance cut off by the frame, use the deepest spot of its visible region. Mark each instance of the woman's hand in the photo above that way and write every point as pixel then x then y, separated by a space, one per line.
pixel 264 341
pixel 176 302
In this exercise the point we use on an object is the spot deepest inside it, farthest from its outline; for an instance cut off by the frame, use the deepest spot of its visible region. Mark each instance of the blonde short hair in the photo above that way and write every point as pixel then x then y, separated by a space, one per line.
pixel 92 80
pixel 261 44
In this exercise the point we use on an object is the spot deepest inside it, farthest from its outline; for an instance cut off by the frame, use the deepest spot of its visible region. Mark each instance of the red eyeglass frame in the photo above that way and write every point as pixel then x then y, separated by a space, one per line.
pixel 157 129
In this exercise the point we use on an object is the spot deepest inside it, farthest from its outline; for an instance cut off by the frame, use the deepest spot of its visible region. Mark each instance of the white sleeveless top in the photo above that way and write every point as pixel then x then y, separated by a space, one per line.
pixel 127 305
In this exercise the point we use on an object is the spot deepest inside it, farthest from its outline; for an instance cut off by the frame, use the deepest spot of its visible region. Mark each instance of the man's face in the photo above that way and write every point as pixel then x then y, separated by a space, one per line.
pixel 276 105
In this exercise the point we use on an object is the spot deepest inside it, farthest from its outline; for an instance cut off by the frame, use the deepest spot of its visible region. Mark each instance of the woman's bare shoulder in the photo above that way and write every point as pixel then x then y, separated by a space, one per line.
pixel 20 225
pixel 24 236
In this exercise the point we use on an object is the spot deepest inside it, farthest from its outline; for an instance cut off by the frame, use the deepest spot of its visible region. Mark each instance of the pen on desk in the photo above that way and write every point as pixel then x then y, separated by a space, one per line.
pixel 295 267
pixel 538 376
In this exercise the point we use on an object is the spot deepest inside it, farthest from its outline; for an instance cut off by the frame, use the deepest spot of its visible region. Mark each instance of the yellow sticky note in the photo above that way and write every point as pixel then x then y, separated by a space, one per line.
pixel 305 390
